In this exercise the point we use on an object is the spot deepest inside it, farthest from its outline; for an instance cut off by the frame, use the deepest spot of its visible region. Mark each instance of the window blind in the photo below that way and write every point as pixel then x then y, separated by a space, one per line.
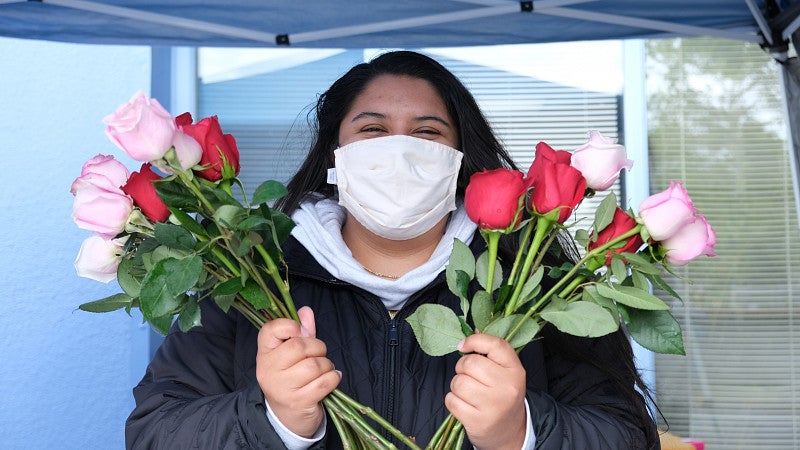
pixel 715 121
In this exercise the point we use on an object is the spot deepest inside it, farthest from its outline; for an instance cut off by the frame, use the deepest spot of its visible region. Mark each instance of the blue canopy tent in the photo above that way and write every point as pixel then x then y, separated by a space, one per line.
pixel 414 23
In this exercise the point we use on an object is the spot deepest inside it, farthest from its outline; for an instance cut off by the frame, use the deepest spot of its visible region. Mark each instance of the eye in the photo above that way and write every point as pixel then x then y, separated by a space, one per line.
pixel 372 130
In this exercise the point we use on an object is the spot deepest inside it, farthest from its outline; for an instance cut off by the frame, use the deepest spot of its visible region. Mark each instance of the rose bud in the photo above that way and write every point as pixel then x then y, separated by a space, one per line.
pixel 600 161
pixel 492 198
pixel 220 154
pixel 98 258
pixel 143 192
pixel 142 128
pixel 694 239
pixel 665 213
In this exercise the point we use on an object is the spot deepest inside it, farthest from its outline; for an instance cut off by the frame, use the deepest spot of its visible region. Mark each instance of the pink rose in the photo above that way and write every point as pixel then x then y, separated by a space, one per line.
pixel 142 128
pixel 600 160
pixel 99 258
pixel 107 166
pixel 187 150
pixel 492 198
pixel 100 205
pixel 665 213
pixel 694 239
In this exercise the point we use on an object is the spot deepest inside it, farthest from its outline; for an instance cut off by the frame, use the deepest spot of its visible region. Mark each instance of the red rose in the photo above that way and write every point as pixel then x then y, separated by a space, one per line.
pixel 141 189
pixel 620 224
pixel 218 148
pixel 545 155
pixel 492 198
pixel 556 184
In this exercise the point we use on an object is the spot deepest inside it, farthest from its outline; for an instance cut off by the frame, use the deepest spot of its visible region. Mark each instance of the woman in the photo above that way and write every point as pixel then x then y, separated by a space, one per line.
pixel 370 246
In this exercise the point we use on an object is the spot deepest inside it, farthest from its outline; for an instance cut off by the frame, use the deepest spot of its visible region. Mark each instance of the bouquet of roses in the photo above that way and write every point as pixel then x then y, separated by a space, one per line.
pixel 609 285
pixel 177 240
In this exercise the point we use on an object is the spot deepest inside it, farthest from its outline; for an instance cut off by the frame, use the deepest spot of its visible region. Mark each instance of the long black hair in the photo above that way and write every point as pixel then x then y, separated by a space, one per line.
pixel 482 150
pixel 476 140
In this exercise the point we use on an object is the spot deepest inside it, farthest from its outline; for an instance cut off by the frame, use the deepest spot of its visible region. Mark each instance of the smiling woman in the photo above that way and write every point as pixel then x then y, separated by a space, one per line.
pixel 353 331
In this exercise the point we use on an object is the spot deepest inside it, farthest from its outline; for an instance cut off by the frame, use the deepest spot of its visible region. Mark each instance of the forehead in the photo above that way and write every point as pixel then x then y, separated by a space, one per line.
pixel 396 93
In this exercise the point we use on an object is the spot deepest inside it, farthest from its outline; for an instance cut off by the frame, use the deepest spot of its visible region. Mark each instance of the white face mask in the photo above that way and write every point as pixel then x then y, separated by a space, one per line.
pixel 397 186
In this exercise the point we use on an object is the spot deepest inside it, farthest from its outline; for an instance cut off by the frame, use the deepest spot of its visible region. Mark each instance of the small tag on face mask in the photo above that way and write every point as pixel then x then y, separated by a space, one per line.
pixel 332 175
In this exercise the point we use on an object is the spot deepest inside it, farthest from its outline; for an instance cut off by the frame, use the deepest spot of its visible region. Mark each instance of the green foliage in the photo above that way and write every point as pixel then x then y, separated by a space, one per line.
pixel 437 329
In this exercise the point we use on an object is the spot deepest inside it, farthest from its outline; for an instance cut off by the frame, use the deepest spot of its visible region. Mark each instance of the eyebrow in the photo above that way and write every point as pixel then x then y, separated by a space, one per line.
pixel 376 115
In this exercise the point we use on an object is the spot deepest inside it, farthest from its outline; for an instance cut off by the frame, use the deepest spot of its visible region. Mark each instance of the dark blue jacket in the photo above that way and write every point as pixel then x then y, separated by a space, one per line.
pixel 200 390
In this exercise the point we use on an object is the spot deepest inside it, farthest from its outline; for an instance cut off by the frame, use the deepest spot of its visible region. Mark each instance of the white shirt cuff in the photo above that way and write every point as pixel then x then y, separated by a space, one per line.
pixel 291 440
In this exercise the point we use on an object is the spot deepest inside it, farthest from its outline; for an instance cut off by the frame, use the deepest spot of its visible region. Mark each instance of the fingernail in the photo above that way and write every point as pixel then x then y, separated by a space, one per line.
pixel 460 345
pixel 339 372
pixel 304 331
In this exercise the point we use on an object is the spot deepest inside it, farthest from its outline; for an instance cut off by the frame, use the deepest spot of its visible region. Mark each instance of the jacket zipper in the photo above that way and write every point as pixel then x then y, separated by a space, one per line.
pixel 391 377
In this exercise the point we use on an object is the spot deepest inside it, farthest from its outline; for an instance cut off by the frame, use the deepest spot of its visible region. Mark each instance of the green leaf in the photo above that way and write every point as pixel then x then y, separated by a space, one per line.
pixel 268 191
pixel 251 222
pixel 177 196
pixel 482 272
pixel 255 296
pixel 218 197
pixel 437 329
pixel 604 214
pixel 661 284
pixel 108 304
pixel 481 309
pixel 640 263
pixel 163 286
pixel 461 260
pixel 583 319
pixel 618 268
pixel 174 236
pixel 129 277
pixel 657 331
pixel 230 215
pixel 188 222
pixel 531 287
pixel 639 280
pixel 162 324
pixel 582 237
pixel 189 316
pixel 503 326
pixel 632 296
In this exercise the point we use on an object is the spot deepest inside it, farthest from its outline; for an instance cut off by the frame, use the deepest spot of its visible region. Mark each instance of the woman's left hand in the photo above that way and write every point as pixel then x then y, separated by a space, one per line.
pixel 487 394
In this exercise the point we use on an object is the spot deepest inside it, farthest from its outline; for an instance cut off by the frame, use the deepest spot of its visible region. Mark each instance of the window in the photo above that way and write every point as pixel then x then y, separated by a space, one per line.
pixel 716 122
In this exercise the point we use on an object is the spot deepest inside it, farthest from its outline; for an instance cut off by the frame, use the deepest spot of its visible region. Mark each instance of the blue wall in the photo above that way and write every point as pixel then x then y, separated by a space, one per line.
pixel 66 375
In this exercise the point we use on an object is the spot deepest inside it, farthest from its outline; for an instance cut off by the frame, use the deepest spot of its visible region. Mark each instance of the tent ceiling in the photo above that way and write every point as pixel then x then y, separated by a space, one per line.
pixel 375 23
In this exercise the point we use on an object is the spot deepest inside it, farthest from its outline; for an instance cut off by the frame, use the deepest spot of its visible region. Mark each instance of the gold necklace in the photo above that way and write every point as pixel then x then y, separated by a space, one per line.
pixel 378 274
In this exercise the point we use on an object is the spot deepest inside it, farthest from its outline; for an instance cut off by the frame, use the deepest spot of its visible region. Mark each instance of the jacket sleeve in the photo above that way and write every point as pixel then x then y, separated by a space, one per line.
pixel 187 398
pixel 586 407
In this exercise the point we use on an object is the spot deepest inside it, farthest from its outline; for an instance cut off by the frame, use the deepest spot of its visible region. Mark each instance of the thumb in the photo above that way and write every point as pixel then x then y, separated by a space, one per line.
pixel 308 327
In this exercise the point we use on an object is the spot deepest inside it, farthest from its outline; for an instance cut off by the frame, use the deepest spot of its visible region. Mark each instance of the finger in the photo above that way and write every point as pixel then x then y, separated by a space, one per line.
pixel 496 349
pixel 321 386
pixel 275 332
pixel 308 326
pixel 467 389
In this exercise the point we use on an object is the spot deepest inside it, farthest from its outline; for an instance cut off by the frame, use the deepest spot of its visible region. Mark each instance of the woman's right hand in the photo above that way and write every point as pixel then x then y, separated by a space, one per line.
pixel 294 372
